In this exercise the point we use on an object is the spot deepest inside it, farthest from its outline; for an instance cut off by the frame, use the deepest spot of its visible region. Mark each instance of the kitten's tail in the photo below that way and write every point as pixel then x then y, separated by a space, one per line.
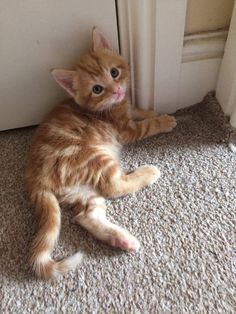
pixel 49 223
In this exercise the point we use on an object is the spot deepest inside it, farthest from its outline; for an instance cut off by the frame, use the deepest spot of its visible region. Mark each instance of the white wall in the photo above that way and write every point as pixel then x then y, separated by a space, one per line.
pixel 208 15
pixel 37 36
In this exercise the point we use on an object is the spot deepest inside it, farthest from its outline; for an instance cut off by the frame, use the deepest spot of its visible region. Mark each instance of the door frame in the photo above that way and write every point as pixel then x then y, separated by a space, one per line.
pixel 155 66
pixel 169 70
pixel 226 84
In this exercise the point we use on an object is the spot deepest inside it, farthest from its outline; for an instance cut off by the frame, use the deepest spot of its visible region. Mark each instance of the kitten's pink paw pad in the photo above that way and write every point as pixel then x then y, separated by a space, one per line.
pixel 128 243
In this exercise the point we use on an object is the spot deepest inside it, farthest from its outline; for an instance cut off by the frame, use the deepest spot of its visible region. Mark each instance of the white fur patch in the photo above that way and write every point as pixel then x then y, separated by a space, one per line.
pixel 64 172
pixel 81 192
pixel 232 147
pixel 111 149
pixel 54 130
pixel 43 257
pixel 98 214
pixel 97 201
pixel 70 150
pixel 72 261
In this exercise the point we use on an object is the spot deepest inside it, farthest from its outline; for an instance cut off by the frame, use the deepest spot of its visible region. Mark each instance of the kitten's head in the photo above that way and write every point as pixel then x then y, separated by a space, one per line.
pixel 100 79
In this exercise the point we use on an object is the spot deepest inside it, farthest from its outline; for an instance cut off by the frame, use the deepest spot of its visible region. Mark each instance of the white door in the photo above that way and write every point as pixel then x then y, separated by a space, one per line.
pixel 37 36
pixel 174 62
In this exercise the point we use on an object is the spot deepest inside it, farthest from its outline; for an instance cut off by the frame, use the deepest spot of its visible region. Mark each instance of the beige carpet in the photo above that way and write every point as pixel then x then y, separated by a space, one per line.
pixel 186 224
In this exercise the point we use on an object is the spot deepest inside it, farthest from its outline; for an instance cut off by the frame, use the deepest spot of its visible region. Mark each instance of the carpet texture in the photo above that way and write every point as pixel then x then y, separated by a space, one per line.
pixel 186 223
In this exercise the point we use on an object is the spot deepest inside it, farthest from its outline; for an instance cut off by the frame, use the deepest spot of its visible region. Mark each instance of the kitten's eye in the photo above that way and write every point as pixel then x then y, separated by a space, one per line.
pixel 97 89
pixel 114 72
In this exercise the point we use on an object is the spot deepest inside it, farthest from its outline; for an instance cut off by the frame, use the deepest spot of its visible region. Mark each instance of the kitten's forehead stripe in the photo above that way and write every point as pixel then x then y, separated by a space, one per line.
pixel 93 65
pixel 90 70
pixel 97 60
pixel 120 66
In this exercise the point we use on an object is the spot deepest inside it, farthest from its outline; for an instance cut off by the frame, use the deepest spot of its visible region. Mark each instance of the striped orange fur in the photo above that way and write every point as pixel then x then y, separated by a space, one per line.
pixel 75 155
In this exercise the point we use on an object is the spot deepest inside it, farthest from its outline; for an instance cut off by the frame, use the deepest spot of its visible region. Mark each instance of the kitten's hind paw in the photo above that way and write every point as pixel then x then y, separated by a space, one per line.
pixel 149 173
pixel 124 240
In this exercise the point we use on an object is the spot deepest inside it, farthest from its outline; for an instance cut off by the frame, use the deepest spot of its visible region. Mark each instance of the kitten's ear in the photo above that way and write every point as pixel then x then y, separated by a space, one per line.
pixel 99 41
pixel 65 79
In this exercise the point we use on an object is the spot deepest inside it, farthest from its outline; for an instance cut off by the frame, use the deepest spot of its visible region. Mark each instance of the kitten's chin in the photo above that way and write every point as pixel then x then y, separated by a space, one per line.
pixel 118 99
pixel 109 103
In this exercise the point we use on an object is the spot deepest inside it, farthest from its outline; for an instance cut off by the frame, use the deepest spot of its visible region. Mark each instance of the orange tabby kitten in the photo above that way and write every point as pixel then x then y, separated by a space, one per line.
pixel 75 155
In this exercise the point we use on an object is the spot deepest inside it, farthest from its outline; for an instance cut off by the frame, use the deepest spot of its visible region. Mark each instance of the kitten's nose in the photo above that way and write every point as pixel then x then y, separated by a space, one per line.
pixel 117 89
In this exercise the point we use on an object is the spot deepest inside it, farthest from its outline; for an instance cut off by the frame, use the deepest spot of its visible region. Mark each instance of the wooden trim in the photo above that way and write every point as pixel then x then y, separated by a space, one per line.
pixel 204 46
pixel 170 23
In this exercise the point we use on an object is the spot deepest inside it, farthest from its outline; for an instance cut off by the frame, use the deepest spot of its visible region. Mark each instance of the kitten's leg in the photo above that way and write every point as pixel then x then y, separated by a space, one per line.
pixel 140 114
pixel 116 183
pixel 136 130
pixel 93 218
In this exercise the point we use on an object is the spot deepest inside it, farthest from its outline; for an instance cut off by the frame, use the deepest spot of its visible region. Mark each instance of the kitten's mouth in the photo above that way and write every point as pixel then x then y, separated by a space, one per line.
pixel 119 97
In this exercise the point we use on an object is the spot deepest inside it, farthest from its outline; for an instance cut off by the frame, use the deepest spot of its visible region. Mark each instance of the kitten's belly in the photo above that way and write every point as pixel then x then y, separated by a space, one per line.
pixel 81 193
pixel 79 179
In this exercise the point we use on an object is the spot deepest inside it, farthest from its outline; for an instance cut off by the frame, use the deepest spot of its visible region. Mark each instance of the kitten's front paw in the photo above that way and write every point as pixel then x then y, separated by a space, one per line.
pixel 167 123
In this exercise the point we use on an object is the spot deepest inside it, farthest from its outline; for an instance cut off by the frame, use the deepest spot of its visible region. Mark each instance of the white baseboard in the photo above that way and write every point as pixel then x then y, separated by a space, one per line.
pixel 201 60
pixel 204 46
pixel 197 78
